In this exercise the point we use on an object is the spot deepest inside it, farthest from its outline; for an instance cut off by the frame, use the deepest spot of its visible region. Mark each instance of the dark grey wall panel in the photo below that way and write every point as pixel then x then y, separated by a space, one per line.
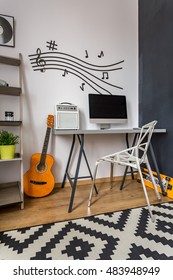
pixel 156 75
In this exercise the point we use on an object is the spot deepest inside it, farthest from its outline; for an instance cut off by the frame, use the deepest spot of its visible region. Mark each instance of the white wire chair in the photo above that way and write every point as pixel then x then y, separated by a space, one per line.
pixel 133 157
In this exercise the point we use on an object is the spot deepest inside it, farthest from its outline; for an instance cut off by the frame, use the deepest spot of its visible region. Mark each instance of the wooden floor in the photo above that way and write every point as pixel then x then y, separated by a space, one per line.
pixel 54 207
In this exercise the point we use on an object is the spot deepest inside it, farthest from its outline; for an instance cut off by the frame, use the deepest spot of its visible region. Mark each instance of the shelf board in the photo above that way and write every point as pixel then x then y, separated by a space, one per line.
pixel 17 157
pixel 10 123
pixel 9 60
pixel 10 193
pixel 13 91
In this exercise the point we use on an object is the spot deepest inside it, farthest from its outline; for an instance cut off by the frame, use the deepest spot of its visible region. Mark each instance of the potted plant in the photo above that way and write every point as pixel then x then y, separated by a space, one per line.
pixel 8 143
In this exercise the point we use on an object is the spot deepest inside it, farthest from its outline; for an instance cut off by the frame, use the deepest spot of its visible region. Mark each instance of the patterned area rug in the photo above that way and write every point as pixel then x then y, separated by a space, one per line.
pixel 124 235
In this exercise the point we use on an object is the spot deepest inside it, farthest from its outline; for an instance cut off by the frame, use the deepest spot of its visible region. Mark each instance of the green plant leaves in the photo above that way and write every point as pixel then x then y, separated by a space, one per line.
pixel 8 138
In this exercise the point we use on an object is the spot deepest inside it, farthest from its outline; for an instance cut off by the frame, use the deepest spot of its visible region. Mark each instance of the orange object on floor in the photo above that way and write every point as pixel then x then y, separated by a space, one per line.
pixel 167 182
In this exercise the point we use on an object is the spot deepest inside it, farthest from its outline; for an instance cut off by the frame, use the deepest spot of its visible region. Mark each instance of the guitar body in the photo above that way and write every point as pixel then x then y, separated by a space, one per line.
pixel 39 182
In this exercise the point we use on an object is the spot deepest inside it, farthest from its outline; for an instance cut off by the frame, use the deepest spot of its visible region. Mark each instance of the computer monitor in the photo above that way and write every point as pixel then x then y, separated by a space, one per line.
pixel 107 109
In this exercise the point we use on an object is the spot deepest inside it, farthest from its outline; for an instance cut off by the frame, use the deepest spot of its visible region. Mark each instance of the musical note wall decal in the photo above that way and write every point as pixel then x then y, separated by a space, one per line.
pixel 40 61
pixel 89 73
pixel 52 45
pixel 105 75
pixel 65 73
pixel 82 86
pixel 86 56
pixel 101 54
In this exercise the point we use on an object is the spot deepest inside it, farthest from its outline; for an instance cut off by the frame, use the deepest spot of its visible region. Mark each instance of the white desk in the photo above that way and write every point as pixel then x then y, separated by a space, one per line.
pixel 80 135
pixel 102 131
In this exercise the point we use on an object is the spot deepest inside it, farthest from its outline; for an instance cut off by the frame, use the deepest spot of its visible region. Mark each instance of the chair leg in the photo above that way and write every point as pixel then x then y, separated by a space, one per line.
pixel 93 184
pixel 146 194
pixel 153 181
pixel 111 174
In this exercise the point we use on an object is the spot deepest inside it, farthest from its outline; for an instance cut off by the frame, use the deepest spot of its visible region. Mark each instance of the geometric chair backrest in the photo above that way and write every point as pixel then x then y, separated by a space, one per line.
pixel 144 140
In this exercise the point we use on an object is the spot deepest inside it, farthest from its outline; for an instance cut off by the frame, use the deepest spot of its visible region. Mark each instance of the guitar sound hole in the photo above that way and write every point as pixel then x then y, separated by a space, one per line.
pixel 41 168
pixel 38 182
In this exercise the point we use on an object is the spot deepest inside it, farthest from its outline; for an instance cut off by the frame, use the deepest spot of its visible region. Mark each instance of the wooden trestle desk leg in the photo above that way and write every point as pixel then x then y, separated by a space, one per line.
pixel 73 181
pixel 68 162
pixel 76 173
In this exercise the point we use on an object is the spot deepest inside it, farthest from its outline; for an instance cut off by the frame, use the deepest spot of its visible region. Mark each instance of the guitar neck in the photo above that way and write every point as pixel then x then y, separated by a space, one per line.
pixel 45 146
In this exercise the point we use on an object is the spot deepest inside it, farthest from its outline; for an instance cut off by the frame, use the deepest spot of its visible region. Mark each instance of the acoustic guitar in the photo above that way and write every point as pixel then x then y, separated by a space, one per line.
pixel 39 180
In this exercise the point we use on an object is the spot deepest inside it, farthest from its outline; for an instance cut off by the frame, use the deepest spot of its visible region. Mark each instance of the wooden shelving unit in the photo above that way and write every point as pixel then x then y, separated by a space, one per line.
pixel 12 192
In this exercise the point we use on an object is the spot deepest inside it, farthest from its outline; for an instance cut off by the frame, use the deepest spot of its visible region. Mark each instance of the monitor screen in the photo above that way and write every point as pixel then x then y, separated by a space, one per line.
pixel 107 109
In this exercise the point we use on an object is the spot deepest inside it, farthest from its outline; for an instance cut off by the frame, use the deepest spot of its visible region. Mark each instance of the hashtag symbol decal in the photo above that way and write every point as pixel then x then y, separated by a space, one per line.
pixel 51 45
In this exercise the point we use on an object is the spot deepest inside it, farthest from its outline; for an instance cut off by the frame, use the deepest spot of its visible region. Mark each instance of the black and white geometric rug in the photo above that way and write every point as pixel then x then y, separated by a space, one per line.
pixel 124 235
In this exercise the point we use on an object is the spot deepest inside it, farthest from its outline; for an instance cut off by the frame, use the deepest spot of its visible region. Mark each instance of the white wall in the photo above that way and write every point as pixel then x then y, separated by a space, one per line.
pixel 76 26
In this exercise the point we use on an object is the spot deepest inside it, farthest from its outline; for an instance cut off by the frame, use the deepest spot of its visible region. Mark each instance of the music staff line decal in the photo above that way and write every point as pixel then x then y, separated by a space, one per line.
pixel 96 76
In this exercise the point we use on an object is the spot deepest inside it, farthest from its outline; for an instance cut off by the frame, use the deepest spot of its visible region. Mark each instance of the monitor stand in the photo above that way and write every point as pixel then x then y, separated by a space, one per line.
pixel 105 126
